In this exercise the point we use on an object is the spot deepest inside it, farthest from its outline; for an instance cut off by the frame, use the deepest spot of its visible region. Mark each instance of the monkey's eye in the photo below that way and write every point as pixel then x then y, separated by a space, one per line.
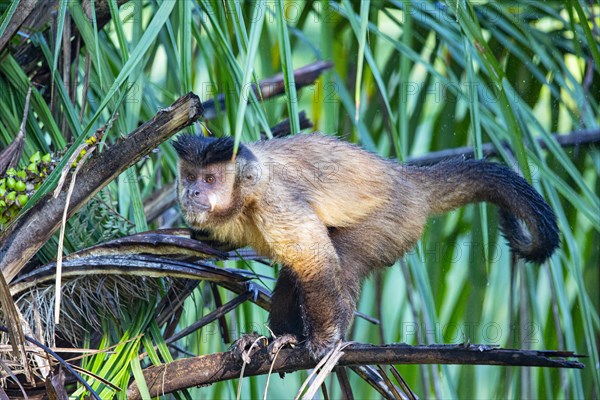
pixel 191 178
pixel 209 179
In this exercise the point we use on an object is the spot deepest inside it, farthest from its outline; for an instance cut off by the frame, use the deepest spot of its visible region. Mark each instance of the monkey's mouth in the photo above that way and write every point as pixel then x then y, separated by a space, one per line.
pixel 199 207
pixel 195 205
pixel 194 213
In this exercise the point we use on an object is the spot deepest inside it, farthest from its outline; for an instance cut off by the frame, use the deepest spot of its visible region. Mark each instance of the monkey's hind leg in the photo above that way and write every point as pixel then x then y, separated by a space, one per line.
pixel 287 319
pixel 287 314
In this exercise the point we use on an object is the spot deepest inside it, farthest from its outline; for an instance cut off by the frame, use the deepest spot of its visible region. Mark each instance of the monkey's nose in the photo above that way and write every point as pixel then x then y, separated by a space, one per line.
pixel 198 200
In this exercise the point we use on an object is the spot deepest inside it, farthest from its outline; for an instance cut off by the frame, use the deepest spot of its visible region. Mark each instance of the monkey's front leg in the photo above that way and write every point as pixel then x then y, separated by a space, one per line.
pixel 327 309
pixel 320 301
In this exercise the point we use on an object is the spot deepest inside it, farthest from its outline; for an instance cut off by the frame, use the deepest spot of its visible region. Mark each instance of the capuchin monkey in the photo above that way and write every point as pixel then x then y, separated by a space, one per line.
pixel 331 213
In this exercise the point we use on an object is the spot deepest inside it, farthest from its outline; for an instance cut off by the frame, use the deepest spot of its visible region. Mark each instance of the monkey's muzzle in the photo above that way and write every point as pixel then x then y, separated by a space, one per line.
pixel 197 201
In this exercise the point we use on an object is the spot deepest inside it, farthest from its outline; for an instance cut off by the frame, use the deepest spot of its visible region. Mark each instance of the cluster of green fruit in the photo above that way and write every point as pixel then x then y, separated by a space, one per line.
pixel 17 186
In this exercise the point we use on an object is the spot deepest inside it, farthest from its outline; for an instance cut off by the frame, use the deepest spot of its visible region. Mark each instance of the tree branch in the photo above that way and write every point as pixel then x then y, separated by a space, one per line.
pixel 208 369
pixel 16 20
pixel 28 55
pixel 572 139
pixel 273 86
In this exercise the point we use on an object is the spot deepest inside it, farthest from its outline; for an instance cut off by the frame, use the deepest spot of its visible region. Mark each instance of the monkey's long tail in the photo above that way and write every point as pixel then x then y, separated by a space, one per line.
pixel 451 184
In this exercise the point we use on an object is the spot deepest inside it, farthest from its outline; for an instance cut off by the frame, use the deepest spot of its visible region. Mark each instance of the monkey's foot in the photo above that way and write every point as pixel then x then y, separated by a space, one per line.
pixel 280 342
pixel 247 345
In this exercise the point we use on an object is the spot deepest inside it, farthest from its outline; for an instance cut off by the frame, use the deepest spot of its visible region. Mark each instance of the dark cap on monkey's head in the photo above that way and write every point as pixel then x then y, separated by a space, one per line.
pixel 202 150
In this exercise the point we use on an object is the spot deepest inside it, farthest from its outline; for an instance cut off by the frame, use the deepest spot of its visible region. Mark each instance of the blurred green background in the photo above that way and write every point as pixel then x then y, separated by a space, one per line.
pixel 409 78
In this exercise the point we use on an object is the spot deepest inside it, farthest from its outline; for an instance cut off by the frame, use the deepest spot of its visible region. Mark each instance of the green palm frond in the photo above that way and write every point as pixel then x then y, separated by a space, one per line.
pixel 409 78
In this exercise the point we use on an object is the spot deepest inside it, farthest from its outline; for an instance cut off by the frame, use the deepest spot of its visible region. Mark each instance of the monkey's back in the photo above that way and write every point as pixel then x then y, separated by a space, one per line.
pixel 342 182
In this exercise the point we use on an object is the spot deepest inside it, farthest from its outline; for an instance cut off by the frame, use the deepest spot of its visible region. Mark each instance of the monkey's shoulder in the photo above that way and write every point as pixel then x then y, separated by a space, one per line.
pixel 342 182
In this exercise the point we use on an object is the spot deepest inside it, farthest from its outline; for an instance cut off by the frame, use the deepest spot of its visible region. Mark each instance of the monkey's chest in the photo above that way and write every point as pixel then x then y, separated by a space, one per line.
pixel 241 233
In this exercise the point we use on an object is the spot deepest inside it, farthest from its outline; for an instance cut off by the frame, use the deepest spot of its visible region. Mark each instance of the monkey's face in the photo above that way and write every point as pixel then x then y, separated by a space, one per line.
pixel 206 193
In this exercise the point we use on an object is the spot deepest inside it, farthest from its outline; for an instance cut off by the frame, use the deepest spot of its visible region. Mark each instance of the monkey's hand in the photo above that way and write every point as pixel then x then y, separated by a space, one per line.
pixel 248 344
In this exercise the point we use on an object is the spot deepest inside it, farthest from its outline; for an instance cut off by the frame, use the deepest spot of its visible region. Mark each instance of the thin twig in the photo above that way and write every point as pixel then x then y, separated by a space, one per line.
pixel 272 86
pixel 319 365
pixel 390 385
pixel 368 374
pixel 10 156
pixel 61 237
pixel 246 360
pixel 332 359
pixel 403 385
pixel 342 375
pixel 271 371
pixel 210 317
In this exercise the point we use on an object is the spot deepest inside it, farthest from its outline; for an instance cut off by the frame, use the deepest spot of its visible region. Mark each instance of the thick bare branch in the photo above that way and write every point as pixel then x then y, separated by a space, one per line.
pixel 207 369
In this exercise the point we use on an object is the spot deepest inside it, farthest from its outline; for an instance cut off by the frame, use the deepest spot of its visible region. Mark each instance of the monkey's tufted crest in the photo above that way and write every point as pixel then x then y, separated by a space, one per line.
pixel 202 150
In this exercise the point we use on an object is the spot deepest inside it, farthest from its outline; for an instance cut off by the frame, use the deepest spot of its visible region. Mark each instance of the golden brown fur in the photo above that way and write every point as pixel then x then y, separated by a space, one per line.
pixel 331 213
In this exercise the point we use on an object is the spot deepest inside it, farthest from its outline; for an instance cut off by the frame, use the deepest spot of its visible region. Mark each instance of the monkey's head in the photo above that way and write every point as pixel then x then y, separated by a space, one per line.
pixel 210 182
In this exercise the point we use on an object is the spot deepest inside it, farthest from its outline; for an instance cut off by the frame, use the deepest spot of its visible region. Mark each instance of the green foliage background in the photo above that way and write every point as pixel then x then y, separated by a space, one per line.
pixel 409 78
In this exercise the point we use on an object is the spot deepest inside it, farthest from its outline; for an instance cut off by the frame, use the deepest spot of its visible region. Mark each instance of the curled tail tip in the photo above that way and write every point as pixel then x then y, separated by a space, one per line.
pixel 539 254
pixel 535 247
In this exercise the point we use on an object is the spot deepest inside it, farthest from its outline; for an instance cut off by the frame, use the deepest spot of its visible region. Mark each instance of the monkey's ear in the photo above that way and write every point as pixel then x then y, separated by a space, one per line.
pixel 200 150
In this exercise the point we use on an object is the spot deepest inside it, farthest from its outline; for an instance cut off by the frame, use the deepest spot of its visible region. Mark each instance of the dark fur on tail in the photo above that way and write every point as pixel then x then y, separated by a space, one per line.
pixel 452 184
